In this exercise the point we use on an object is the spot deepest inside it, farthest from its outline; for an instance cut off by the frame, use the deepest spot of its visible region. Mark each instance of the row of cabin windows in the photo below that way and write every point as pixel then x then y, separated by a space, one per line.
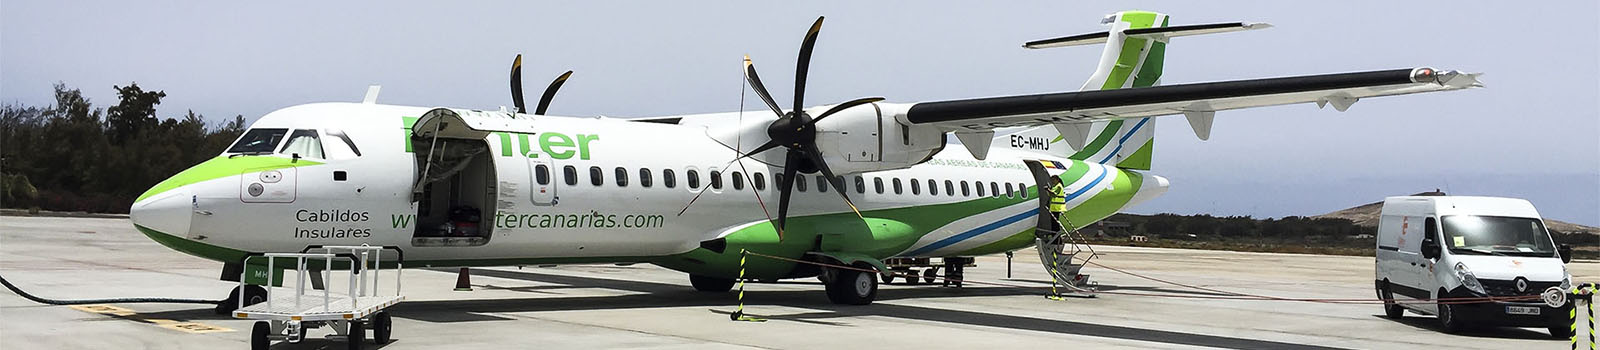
pixel 669 179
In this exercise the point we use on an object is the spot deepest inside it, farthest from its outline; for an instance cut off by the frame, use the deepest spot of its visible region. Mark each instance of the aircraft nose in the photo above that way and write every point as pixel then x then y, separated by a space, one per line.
pixel 168 212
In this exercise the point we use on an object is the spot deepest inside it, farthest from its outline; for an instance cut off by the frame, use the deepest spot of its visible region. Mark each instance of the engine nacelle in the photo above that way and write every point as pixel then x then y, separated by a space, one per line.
pixel 868 138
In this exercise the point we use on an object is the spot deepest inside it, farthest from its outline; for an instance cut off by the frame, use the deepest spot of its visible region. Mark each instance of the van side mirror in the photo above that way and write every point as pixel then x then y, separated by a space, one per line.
pixel 1430 249
pixel 1566 253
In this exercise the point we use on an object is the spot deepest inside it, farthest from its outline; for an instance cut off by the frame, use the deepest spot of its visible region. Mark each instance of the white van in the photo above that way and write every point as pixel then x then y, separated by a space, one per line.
pixel 1432 247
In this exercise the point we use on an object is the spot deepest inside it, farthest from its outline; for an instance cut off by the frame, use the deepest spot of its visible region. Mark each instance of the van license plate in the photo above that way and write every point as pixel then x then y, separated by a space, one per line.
pixel 1522 310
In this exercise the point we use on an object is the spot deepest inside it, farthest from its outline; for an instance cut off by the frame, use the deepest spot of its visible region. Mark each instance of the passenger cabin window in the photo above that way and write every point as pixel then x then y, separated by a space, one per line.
pixel 896 183
pixel 669 178
pixel 1022 191
pixel 694 178
pixel 738 181
pixel 541 174
pixel 979 185
pixel 877 185
pixel 622 177
pixel 761 182
pixel 822 184
pixel 800 182
pixel 949 188
pixel 861 185
pixel 1009 190
pixel 933 187
pixel 716 180
pixel 303 142
pixel 994 189
pixel 258 141
pixel 964 191
pixel 596 177
pixel 571 174
pixel 644 177
pixel 916 187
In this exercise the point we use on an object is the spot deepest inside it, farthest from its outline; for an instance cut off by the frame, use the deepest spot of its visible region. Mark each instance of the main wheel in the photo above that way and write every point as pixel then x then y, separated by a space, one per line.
pixel 1448 320
pixel 888 278
pixel 711 284
pixel 356 335
pixel 1391 309
pixel 258 336
pixel 930 275
pixel 852 287
pixel 382 326
pixel 253 294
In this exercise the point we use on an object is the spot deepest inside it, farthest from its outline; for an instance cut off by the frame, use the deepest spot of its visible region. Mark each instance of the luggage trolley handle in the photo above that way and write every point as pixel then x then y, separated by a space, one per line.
pixel 300 264
pixel 399 263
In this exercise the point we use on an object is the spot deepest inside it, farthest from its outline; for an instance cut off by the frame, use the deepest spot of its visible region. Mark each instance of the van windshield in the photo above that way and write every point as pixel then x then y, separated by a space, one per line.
pixel 1497 235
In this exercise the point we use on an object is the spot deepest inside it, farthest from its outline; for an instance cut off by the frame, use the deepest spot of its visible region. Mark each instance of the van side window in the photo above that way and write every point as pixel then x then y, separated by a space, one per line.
pixel 1431 230
pixel 761 182
pixel 716 179
pixel 596 177
pixel 668 178
pixel 738 181
pixel 571 174
pixel 541 174
pixel 916 187
pixel 644 177
pixel 694 178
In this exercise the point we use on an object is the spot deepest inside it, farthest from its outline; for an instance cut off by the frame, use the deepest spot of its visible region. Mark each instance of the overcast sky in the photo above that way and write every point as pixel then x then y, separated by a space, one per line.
pixel 1532 133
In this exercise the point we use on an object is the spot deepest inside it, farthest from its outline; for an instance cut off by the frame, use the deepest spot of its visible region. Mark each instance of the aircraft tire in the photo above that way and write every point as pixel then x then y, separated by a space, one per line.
pixel 711 284
pixel 852 287
pixel 253 294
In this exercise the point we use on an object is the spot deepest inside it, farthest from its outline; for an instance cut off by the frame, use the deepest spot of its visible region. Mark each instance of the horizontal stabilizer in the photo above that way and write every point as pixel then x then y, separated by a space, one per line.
pixel 1161 34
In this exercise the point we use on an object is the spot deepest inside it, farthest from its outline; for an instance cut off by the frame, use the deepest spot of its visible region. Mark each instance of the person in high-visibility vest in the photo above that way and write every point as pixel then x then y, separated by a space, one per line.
pixel 1058 202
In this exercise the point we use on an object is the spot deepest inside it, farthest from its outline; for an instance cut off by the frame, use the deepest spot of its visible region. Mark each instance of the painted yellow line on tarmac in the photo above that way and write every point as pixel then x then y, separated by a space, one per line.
pixel 182 326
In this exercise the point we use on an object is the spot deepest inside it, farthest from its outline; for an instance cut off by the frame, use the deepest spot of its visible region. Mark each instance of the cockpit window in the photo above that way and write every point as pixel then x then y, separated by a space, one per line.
pixel 258 141
pixel 339 134
pixel 305 143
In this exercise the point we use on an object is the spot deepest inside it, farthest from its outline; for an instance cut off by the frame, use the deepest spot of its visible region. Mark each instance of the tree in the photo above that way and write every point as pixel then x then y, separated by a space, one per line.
pixel 135 112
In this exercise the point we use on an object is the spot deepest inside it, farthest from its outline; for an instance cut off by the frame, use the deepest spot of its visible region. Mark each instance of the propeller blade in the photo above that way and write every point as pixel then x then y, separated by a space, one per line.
pixel 763 203
pixel 763 147
pixel 786 185
pixel 838 183
pixel 550 93
pixel 761 90
pixel 803 64
pixel 844 106
pixel 516 85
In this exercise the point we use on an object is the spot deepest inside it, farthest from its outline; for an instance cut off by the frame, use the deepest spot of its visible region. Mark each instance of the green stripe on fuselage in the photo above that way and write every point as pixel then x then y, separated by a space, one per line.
pixel 222 166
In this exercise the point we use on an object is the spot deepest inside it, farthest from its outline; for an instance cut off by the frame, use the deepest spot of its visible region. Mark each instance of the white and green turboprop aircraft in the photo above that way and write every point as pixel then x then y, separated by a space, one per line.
pixel 460 187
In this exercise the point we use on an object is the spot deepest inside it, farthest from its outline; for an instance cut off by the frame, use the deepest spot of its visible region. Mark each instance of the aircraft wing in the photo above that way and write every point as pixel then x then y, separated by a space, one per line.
pixel 1341 90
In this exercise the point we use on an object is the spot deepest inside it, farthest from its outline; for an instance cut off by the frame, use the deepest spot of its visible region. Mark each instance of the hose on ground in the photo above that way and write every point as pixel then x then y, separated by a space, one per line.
pixel 41 300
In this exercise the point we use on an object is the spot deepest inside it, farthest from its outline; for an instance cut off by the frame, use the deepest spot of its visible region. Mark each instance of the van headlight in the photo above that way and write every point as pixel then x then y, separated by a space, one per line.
pixel 1468 279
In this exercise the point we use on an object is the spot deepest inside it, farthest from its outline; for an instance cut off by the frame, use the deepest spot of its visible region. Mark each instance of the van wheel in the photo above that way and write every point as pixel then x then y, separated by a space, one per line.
pixel 1391 309
pixel 1561 331
pixel 1448 319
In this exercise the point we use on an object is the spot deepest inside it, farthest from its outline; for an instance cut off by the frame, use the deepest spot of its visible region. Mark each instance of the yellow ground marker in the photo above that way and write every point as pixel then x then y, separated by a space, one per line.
pixel 182 326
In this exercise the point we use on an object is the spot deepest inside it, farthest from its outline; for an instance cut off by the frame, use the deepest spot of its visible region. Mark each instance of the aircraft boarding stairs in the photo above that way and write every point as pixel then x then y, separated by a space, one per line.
pixel 1063 255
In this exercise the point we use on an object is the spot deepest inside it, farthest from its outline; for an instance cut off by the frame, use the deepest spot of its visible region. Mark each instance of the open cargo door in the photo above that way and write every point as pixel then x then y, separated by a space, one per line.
pixel 456 188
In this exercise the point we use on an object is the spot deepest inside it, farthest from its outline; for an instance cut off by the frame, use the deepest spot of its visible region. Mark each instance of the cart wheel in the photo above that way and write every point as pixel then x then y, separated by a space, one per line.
pixel 888 278
pixel 381 326
pixel 930 275
pixel 258 336
pixel 356 336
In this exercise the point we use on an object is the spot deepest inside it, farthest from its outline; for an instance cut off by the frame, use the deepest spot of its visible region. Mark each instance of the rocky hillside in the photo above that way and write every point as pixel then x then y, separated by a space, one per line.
pixel 1367 215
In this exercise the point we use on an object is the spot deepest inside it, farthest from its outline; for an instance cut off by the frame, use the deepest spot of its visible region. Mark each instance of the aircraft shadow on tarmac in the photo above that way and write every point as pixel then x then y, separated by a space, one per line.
pixel 1432 324
pixel 663 295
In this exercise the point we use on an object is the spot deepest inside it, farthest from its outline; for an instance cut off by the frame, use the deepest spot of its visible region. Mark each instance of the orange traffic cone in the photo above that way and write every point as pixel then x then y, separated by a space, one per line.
pixel 463 281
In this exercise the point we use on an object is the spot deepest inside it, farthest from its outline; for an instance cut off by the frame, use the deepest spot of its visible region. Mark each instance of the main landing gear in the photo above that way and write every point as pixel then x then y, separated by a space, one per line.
pixel 851 287
pixel 253 294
